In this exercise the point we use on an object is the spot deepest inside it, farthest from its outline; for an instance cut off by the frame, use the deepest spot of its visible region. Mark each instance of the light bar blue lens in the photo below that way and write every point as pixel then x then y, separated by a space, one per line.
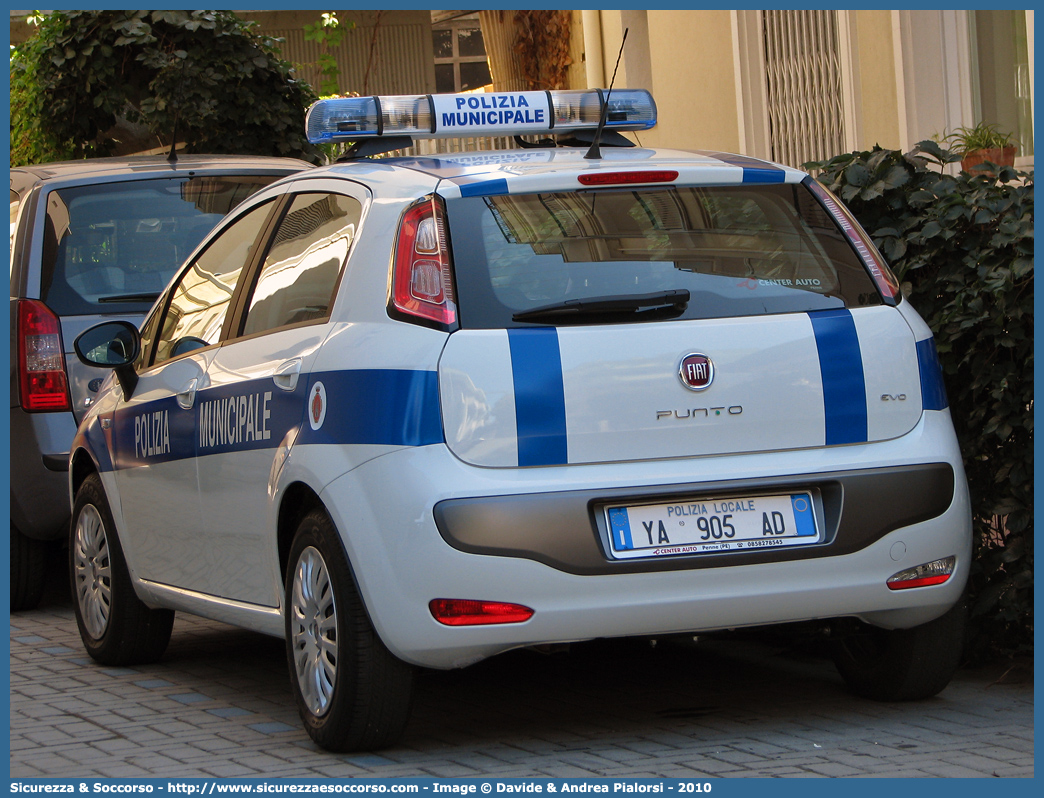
pixel 631 109
pixel 341 118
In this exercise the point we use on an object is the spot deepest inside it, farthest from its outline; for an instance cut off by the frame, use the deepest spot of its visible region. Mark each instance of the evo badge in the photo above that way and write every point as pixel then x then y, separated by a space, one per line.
pixel 696 372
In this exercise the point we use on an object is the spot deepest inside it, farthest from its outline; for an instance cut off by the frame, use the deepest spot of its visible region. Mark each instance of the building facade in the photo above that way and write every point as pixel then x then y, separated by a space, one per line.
pixel 794 86
pixel 786 85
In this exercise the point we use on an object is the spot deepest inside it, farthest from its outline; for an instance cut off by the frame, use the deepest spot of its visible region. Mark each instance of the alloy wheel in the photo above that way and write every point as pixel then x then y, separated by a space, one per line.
pixel 314 631
pixel 91 571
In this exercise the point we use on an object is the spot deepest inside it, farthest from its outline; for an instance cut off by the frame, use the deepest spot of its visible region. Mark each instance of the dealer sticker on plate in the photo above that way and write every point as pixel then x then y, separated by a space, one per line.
pixel 706 526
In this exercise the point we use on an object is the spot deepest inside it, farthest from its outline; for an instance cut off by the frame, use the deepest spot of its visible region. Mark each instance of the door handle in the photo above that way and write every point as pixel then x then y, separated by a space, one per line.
pixel 286 374
pixel 187 396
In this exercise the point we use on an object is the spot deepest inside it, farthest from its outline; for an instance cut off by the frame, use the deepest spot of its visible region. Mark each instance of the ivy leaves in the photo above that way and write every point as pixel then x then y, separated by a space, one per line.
pixel 95 82
pixel 872 179
pixel 963 247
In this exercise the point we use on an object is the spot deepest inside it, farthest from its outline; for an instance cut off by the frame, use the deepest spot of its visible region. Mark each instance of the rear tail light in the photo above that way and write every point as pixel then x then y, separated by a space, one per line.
pixel 41 365
pixel 422 283
pixel 883 277
pixel 931 573
pixel 468 612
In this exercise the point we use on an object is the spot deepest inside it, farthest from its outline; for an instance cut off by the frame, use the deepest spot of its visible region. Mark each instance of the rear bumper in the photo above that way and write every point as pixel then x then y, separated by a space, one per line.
pixel 39 479
pixel 567 530
pixel 386 510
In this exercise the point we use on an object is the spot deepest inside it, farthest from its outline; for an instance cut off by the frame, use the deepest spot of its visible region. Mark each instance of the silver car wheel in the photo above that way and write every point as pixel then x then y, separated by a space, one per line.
pixel 314 631
pixel 91 570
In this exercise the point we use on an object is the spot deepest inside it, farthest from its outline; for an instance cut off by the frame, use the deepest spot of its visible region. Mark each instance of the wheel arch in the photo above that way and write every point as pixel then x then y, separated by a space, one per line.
pixel 299 499
pixel 81 466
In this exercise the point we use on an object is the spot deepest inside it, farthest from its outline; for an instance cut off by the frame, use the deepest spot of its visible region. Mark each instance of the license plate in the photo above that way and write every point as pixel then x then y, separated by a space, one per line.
pixel 711 526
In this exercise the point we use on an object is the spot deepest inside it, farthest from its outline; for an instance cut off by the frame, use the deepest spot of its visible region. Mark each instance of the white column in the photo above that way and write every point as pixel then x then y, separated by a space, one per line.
pixel 749 57
pixel 850 95
pixel 593 58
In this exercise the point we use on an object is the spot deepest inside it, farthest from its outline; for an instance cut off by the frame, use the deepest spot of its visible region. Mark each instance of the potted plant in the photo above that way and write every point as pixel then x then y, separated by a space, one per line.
pixel 983 143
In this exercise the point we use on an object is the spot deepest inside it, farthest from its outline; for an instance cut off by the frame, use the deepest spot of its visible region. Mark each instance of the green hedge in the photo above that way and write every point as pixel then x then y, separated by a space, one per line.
pixel 87 78
pixel 962 246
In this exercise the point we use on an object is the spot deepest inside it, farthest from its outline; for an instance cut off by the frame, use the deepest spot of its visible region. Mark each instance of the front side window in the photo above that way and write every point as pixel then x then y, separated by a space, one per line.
pixel 299 275
pixel 737 250
pixel 200 301
pixel 112 248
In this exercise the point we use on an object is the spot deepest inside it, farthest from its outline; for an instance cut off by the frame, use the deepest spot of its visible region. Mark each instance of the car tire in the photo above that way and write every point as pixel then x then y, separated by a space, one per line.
pixel 28 571
pixel 352 693
pixel 116 627
pixel 902 664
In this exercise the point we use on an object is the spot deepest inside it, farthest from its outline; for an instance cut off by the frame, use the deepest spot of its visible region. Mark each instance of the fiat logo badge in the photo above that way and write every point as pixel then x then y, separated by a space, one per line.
pixel 696 371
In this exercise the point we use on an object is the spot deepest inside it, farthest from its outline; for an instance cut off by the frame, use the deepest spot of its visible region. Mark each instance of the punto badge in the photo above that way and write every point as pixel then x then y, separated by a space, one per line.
pixel 696 372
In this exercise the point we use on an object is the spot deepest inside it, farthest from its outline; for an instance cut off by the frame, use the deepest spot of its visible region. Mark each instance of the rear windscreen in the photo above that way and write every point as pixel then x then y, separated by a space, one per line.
pixel 112 248
pixel 737 250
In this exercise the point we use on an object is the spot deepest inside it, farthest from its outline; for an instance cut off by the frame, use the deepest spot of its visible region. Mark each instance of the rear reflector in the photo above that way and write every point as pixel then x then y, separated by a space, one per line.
pixel 623 178
pixel 883 277
pixel 422 284
pixel 931 573
pixel 41 364
pixel 467 612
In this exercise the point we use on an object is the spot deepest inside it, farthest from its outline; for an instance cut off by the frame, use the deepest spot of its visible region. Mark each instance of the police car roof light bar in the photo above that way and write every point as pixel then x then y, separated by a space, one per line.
pixel 492 114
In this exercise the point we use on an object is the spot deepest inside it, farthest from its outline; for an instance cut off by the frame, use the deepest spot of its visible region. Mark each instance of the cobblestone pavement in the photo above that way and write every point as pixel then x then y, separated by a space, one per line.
pixel 219 705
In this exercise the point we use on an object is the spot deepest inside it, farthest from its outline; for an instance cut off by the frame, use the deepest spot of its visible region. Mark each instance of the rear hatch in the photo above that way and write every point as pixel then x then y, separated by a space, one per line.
pixel 635 322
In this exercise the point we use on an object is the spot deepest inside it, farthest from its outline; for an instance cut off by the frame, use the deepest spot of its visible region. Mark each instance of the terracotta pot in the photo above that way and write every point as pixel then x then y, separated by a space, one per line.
pixel 1001 157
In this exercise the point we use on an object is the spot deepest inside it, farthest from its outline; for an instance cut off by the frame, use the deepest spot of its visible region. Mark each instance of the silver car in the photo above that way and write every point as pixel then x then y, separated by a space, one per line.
pixel 92 240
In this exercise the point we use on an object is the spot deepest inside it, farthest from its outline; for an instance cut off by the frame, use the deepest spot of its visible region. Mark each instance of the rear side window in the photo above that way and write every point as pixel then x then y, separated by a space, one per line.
pixel 112 248
pixel 738 250
pixel 299 275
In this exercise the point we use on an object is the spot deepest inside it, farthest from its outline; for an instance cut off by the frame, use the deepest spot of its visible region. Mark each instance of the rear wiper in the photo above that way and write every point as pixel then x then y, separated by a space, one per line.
pixel 152 297
pixel 676 299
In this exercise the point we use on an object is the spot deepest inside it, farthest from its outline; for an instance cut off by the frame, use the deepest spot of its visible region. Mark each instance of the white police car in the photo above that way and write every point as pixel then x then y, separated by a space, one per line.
pixel 420 411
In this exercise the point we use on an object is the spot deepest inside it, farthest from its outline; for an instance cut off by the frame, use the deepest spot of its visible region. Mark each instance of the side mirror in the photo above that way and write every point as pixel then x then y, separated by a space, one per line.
pixel 111 344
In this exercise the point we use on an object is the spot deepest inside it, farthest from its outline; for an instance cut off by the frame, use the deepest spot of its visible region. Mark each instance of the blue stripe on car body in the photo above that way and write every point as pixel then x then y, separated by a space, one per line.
pixel 482 187
pixel 933 390
pixel 754 170
pixel 540 418
pixel 398 407
pixel 841 367
pixel 155 432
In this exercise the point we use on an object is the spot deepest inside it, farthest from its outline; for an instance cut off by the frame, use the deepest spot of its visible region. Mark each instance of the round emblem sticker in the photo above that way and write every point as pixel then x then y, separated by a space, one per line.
pixel 696 372
pixel 317 405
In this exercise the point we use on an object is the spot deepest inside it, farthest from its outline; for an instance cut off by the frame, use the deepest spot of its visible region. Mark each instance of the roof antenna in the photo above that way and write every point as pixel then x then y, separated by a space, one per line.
pixel 172 156
pixel 595 152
